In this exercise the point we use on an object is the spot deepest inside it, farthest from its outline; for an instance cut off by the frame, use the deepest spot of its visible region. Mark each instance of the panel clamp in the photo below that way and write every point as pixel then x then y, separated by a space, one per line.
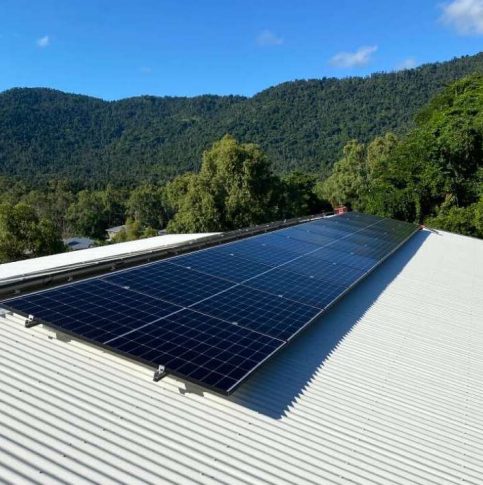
pixel 159 373
pixel 31 322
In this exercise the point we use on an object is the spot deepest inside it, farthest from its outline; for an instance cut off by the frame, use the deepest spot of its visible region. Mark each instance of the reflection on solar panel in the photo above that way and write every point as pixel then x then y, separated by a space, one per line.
pixel 213 316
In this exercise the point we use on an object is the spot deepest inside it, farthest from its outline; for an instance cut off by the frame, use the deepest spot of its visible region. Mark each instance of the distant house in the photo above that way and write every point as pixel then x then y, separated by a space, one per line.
pixel 76 243
pixel 114 231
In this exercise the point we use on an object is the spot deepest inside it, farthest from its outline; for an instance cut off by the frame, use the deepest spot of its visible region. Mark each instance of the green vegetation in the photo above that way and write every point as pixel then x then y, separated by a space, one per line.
pixel 92 212
pixel 134 230
pixel 433 174
pixel 300 125
pixel 234 188
pixel 23 234
pixel 146 206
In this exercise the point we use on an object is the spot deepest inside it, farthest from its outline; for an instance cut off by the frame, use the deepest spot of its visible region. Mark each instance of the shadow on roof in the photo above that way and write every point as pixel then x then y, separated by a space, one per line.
pixel 274 390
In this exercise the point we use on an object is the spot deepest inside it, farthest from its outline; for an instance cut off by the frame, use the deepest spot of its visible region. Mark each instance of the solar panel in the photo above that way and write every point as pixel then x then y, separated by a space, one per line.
pixel 215 315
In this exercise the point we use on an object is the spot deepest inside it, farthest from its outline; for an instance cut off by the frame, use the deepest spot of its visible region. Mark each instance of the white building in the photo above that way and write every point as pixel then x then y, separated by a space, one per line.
pixel 114 231
pixel 386 388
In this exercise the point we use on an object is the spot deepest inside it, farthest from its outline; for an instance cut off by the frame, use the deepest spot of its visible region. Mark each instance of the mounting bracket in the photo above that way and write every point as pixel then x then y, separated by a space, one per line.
pixel 159 373
pixel 31 322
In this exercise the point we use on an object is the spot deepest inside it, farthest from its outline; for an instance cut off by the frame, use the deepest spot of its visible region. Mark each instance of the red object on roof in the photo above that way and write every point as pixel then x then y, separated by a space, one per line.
pixel 341 210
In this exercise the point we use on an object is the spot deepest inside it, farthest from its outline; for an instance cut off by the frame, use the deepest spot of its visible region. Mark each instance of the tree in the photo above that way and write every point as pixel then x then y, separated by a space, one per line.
pixel 300 125
pixel 94 211
pixel 113 201
pixel 134 231
pixel 146 205
pixel 298 197
pixel 131 232
pixel 348 181
pixel 234 188
pixel 462 220
pixel 87 216
pixel 433 172
pixel 439 159
pixel 52 203
pixel 23 234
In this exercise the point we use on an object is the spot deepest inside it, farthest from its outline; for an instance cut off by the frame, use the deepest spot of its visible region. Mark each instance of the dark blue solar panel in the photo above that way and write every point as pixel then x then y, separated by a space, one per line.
pixel 306 235
pixel 200 348
pixel 221 264
pixel 334 254
pixel 329 271
pixel 327 231
pixel 297 287
pixel 169 282
pixel 259 252
pixel 280 241
pixel 260 311
pixel 94 309
pixel 213 316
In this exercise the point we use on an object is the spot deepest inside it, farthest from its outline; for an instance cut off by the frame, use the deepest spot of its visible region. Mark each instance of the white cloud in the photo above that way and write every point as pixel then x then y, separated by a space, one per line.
pixel 43 41
pixel 409 63
pixel 267 37
pixel 466 16
pixel 359 58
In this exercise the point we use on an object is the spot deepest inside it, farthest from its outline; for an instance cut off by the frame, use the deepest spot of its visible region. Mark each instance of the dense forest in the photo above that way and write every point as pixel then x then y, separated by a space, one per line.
pixel 300 125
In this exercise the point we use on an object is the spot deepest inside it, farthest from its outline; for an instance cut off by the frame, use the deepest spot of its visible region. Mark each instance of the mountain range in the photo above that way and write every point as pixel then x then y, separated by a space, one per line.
pixel 48 134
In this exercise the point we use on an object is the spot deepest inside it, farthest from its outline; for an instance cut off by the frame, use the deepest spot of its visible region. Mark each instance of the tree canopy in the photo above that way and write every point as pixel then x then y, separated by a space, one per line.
pixel 433 173
pixel 23 234
pixel 234 188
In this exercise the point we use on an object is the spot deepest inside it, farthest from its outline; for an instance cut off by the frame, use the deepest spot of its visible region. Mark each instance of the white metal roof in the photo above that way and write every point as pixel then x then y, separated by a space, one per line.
pixel 45 264
pixel 386 388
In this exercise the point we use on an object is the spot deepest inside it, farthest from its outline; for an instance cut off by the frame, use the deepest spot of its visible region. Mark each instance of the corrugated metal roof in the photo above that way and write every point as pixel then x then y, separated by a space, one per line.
pixel 386 388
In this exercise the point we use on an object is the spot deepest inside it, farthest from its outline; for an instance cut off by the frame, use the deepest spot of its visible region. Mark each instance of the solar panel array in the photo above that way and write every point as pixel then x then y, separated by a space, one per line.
pixel 215 315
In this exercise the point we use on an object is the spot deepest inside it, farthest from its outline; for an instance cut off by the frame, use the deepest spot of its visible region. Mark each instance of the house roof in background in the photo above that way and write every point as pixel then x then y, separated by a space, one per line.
pixel 79 242
pixel 386 388
pixel 116 229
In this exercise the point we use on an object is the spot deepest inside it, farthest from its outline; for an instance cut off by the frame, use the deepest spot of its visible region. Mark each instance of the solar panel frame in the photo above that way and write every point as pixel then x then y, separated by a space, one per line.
pixel 354 225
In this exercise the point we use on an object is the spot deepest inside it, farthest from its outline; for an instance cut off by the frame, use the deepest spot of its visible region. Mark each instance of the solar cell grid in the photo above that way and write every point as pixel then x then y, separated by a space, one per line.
pixel 94 309
pixel 334 254
pixel 361 239
pixel 294 245
pixel 297 287
pixel 259 252
pixel 328 271
pixel 213 316
pixel 260 311
pixel 169 282
pixel 306 235
pixel 331 232
pixel 354 223
pixel 221 264
pixel 199 347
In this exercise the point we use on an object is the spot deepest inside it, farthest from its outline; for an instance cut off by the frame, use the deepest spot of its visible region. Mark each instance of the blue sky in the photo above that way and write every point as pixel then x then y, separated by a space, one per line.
pixel 119 48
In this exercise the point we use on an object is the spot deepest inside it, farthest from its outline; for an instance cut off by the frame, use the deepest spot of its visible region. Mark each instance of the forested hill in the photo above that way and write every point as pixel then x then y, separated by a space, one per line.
pixel 47 134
